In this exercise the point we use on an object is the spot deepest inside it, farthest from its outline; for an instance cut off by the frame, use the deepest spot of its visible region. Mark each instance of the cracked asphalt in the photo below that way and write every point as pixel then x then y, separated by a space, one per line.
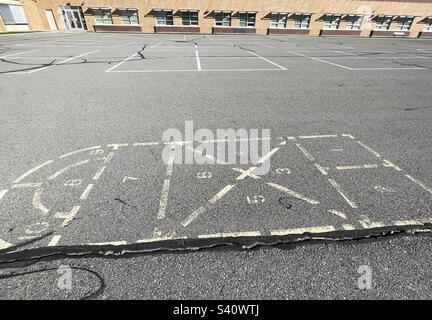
pixel 82 169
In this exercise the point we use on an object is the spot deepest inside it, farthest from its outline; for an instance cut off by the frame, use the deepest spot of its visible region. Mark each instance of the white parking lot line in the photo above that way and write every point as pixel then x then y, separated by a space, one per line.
pixel 19 53
pixel 320 60
pixel 63 61
pixel 265 59
pixel 197 58
pixel 121 62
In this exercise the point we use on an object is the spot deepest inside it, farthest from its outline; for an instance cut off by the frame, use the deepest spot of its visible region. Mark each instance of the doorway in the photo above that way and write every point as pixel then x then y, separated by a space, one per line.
pixel 73 17
pixel 51 20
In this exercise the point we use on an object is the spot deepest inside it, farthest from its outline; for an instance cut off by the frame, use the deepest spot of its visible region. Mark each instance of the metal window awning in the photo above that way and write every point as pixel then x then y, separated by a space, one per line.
pixel 217 11
pixel 125 9
pixel 96 8
pixel 162 9
pixel 188 10
pixel 279 12
pixel 248 11
pixel 305 13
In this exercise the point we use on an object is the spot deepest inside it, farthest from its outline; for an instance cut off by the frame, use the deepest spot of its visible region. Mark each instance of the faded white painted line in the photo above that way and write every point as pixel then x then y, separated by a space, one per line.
pixel 342 193
pixel 120 63
pixel 116 146
pixel 230 234
pixel 369 149
pixel 78 151
pixel 160 239
pixel 246 173
pixel 419 183
pixel 348 136
pixel 170 164
pixel 319 136
pixel 321 169
pixel 19 53
pixel 198 62
pixel 3 192
pixel 338 213
pixel 268 155
pixel 363 166
pixel 283 232
pixel 56 174
pixel 390 164
pixel 193 70
pixel 320 60
pixel 221 193
pixel 67 216
pixel 155 45
pixel 4 244
pixel 37 202
pixel 86 192
pixel 195 214
pixel 305 152
pixel 166 186
pixel 164 199
pixel 136 144
pixel 99 173
pixel 372 69
pixel 348 226
pixel 63 61
pixel 54 240
pixel 407 222
pixel 292 193
pixel 22 177
pixel 269 61
pixel 27 185
pixel 112 243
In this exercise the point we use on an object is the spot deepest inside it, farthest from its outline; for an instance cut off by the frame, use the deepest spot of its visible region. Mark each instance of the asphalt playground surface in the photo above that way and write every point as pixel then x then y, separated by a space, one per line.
pixel 83 182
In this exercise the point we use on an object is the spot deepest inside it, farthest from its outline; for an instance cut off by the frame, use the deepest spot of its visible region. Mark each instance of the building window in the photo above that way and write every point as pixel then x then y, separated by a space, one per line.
pixel 102 16
pixel 278 20
pixel 12 14
pixel 223 18
pixel 383 22
pixel 332 21
pixel 164 17
pixel 189 17
pixel 404 23
pixel 129 16
pixel 247 19
pixel 354 22
pixel 301 20
pixel 428 24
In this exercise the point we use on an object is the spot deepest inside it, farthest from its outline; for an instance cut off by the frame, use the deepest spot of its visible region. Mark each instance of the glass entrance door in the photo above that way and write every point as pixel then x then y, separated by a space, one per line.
pixel 73 18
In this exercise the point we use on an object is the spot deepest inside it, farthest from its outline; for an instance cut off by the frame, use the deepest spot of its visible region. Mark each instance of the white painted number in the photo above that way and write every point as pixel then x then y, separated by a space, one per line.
pixel 283 171
pixel 204 175
pixel 96 152
pixel 37 228
pixel 255 199
pixel 73 183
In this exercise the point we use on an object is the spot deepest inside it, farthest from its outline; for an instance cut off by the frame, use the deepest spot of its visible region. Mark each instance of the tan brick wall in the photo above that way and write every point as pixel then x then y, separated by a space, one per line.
pixel 2 26
pixel 420 8
pixel 32 12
